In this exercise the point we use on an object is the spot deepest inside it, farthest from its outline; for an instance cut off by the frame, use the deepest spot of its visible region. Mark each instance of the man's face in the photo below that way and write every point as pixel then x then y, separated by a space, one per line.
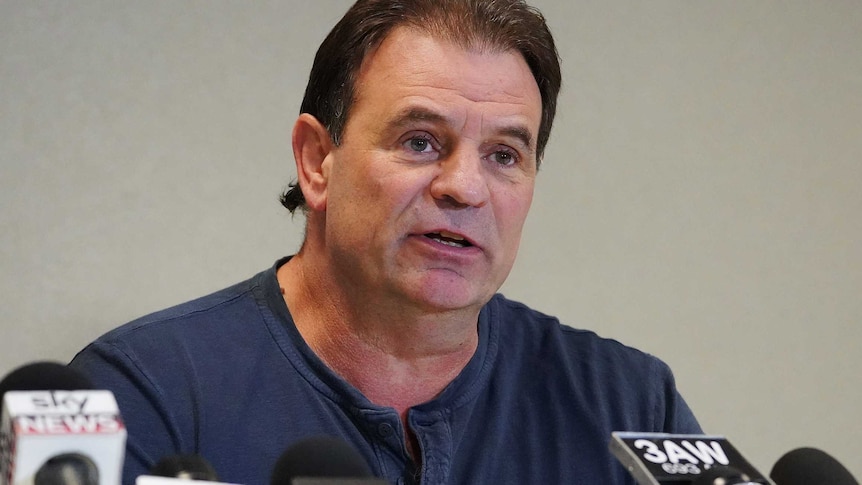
pixel 428 192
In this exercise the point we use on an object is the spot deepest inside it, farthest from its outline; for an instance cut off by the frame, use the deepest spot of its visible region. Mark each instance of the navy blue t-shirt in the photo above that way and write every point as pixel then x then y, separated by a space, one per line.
pixel 229 377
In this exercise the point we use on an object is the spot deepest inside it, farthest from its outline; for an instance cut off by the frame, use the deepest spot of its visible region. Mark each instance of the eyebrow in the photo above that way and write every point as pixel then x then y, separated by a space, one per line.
pixel 417 114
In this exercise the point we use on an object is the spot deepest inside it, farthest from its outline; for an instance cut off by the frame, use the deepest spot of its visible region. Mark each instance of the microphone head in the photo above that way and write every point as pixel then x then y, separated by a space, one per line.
pixel 67 469
pixel 44 376
pixel 319 456
pixel 188 467
pixel 810 466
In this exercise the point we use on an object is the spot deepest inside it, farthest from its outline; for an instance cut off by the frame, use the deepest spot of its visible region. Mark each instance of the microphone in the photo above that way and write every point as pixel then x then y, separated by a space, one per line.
pixel 656 458
pixel 44 376
pixel 322 460
pixel 180 469
pixel 68 469
pixel 189 467
pixel 57 430
pixel 810 466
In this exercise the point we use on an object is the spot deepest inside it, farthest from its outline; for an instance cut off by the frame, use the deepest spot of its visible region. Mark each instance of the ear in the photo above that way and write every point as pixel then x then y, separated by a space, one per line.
pixel 311 150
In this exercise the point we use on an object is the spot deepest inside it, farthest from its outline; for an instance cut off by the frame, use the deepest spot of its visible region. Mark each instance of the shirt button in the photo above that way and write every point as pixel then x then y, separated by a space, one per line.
pixel 385 430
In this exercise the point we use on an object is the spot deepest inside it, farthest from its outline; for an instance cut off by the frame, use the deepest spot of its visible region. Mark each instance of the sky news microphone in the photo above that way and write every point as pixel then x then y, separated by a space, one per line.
pixel 810 466
pixel 57 430
pixel 322 460
pixel 659 458
pixel 41 376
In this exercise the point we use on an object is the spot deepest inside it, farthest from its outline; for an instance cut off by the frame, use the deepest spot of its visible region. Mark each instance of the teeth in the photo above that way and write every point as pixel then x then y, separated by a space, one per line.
pixel 449 235
pixel 449 239
pixel 449 243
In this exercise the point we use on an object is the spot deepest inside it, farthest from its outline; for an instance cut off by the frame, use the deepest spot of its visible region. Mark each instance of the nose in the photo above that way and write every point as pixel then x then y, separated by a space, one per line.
pixel 461 180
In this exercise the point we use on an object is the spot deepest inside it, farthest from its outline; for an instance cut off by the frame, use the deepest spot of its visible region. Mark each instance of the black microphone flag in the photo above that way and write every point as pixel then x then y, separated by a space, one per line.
pixel 662 458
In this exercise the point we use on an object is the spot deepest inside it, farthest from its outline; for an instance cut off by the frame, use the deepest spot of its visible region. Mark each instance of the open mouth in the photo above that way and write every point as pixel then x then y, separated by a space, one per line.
pixel 449 239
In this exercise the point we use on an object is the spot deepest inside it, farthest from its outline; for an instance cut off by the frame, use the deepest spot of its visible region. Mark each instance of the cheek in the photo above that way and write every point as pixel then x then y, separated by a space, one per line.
pixel 396 188
pixel 512 210
pixel 353 193
pixel 376 196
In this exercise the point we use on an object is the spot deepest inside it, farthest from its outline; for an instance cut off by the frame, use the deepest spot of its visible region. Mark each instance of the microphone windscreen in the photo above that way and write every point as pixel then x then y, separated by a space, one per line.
pixel 67 469
pixel 189 467
pixel 44 376
pixel 320 456
pixel 810 466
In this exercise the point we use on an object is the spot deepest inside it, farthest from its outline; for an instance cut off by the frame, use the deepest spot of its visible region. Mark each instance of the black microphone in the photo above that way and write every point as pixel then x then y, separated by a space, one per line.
pixel 179 470
pixel 58 430
pixel 44 376
pixel 322 460
pixel 187 467
pixel 810 466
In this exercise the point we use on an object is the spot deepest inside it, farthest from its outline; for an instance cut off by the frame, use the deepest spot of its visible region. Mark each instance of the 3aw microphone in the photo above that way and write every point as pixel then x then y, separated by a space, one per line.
pixel 661 458
pixel 322 460
pixel 56 430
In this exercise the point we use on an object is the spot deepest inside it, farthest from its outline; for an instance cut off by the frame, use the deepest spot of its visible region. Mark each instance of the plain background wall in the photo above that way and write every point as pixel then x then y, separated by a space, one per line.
pixel 700 198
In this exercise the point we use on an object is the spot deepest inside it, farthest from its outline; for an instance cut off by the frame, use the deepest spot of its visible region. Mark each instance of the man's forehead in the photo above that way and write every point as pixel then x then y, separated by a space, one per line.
pixel 466 44
pixel 409 55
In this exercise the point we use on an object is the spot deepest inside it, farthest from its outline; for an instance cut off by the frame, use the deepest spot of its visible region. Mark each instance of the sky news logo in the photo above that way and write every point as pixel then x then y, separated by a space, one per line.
pixel 67 424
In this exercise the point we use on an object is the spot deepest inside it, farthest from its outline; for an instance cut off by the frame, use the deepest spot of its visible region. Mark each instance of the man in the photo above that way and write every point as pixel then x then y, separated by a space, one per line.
pixel 422 129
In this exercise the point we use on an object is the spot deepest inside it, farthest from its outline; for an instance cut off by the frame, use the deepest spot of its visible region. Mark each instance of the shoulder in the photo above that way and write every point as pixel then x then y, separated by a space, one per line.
pixel 219 308
pixel 206 329
pixel 165 354
pixel 635 387
pixel 535 331
pixel 576 359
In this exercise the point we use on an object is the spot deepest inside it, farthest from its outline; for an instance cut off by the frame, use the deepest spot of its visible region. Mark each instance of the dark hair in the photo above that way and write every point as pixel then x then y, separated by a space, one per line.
pixel 497 25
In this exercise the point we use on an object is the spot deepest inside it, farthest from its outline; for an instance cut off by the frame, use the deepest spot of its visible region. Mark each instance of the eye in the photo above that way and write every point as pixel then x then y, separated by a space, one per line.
pixel 504 157
pixel 419 144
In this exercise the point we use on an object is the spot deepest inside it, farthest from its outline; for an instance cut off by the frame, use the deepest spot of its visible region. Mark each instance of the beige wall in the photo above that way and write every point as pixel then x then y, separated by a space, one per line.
pixel 700 197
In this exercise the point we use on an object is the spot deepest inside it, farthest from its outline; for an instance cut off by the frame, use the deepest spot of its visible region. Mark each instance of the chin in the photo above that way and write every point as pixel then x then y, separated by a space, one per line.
pixel 452 297
pixel 445 290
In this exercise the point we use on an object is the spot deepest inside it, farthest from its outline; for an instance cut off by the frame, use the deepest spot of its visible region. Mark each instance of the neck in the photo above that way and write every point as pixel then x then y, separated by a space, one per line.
pixel 397 357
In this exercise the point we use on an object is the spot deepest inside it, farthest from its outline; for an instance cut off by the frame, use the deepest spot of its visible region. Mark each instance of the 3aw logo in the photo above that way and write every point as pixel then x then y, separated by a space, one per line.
pixel 663 457
pixel 671 451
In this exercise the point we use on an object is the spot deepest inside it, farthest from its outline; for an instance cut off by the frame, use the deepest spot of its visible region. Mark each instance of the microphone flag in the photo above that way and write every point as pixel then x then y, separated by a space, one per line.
pixel 41 428
pixel 678 459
